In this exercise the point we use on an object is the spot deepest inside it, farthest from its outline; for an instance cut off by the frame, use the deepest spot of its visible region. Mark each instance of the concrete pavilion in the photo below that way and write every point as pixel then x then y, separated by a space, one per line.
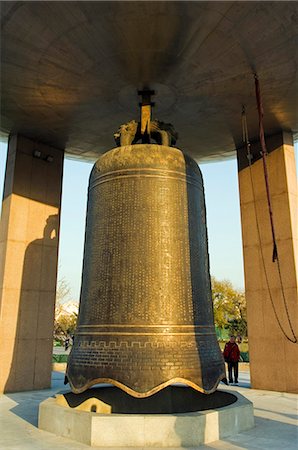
pixel 70 75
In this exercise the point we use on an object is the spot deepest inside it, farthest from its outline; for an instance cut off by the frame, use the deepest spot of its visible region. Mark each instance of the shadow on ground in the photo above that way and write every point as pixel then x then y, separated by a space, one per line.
pixel 28 402
pixel 267 434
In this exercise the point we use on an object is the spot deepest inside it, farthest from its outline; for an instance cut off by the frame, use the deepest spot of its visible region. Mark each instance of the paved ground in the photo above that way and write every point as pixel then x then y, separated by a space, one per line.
pixel 275 420
pixel 61 351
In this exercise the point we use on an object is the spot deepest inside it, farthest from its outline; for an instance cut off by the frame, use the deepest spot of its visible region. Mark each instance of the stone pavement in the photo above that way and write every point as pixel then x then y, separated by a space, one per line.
pixel 61 351
pixel 275 421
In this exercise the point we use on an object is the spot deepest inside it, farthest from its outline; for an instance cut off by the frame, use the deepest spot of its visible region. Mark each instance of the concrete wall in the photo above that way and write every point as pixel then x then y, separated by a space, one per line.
pixel 273 358
pixel 28 264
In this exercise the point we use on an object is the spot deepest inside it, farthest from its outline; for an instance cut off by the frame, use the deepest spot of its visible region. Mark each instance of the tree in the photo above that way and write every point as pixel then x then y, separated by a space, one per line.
pixel 65 325
pixel 229 305
pixel 62 291
pixel 65 322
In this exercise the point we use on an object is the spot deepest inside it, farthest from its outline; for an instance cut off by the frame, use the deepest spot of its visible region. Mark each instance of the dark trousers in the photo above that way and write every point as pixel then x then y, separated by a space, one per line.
pixel 232 365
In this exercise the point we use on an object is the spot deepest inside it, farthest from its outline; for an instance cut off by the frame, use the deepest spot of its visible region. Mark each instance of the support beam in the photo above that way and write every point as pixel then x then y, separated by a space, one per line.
pixel 28 263
pixel 273 358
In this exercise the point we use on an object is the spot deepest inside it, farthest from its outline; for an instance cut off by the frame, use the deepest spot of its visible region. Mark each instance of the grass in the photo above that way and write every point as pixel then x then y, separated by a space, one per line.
pixel 59 358
pixel 244 357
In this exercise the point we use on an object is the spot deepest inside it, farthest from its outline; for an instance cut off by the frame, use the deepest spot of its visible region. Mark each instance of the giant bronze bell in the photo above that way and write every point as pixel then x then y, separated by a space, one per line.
pixel 145 318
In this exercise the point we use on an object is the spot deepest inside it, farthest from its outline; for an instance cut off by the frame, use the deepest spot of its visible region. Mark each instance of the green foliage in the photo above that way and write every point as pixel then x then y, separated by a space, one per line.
pixel 237 326
pixel 244 356
pixel 59 358
pixel 65 323
pixel 222 334
pixel 229 307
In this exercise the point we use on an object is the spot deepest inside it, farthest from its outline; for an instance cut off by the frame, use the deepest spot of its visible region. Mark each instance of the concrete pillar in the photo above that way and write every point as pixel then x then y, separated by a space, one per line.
pixel 273 358
pixel 28 263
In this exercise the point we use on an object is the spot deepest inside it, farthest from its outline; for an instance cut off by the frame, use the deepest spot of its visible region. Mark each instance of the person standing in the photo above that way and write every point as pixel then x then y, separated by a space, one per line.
pixel 231 355
pixel 66 343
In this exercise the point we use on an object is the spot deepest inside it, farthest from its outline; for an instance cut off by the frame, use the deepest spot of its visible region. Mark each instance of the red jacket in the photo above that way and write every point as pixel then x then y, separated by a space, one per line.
pixel 231 352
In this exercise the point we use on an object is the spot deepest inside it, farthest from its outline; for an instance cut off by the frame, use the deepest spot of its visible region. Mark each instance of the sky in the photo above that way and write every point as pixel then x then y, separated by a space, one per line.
pixel 223 220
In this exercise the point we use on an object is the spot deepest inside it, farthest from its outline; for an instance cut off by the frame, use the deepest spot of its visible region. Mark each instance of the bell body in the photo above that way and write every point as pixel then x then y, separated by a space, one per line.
pixel 145 318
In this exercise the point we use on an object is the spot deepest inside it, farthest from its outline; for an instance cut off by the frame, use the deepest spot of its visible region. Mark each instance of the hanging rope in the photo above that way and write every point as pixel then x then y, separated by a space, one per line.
pixel 264 155
pixel 246 142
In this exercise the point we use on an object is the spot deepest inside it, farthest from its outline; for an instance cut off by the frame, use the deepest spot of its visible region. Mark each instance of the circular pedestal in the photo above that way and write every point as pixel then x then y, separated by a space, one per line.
pixel 177 416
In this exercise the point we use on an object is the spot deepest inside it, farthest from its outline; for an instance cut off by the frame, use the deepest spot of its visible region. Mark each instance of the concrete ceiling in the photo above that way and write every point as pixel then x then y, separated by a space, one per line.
pixel 71 70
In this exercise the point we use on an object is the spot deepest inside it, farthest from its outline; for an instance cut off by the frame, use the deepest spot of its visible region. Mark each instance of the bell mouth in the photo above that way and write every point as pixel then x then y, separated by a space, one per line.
pixel 176 399
pixel 136 394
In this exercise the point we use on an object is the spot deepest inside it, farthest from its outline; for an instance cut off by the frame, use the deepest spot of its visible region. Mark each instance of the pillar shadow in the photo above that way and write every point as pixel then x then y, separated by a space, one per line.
pixel 267 433
pixel 32 355
pixel 27 403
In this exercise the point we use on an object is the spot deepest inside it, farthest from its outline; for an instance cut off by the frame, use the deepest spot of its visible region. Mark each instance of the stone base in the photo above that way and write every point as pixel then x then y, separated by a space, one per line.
pixel 107 429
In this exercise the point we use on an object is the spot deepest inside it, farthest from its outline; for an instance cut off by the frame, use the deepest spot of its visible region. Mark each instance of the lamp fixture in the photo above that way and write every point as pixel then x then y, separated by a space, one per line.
pixel 37 154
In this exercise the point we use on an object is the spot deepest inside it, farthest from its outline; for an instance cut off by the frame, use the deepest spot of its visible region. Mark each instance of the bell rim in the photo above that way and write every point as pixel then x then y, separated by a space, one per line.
pixel 148 393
